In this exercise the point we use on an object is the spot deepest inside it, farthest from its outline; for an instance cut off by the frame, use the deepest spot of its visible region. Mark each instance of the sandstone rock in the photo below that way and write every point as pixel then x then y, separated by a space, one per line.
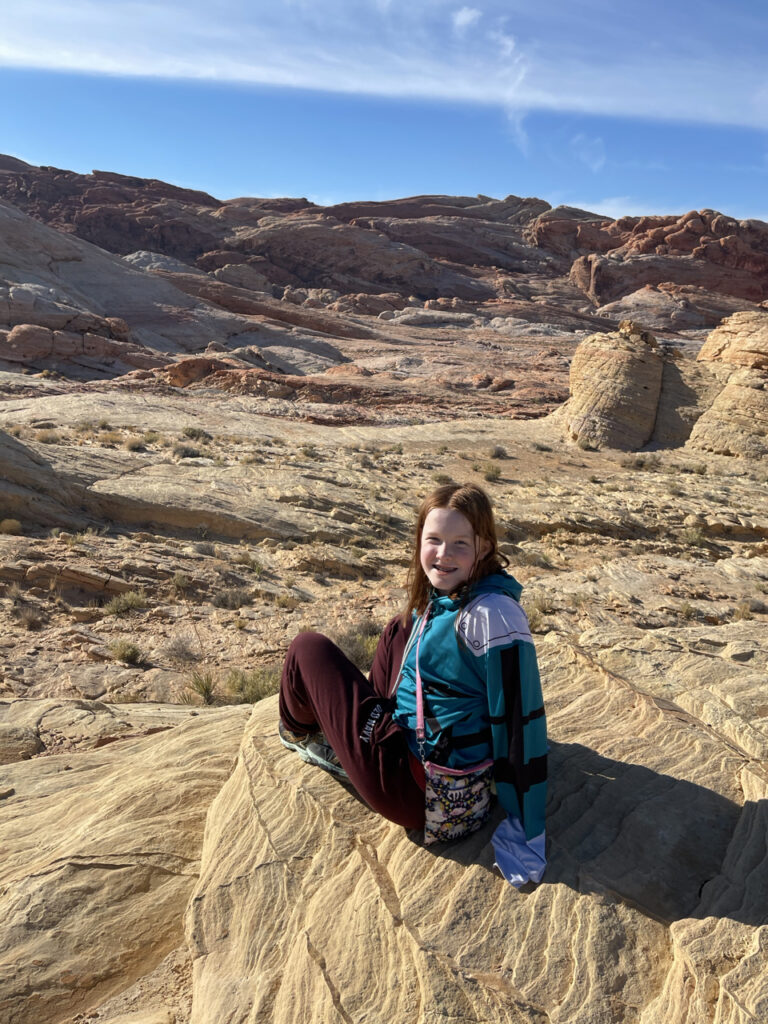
pixel 32 345
pixel 736 423
pixel 99 863
pixel 688 389
pixel 615 387
pixel 606 278
pixel 681 307
pixel 629 860
pixel 741 340
pixel 242 275
pixel 18 743
pixel 326 253
pixel 58 281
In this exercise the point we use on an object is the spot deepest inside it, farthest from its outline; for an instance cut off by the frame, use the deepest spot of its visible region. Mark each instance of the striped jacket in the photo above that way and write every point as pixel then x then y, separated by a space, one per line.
pixel 482 694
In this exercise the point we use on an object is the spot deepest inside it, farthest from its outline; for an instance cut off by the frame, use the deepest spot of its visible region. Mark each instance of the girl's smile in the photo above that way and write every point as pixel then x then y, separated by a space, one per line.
pixel 449 549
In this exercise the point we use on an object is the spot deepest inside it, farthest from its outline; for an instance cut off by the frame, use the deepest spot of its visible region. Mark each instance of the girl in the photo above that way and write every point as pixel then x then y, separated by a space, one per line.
pixel 464 642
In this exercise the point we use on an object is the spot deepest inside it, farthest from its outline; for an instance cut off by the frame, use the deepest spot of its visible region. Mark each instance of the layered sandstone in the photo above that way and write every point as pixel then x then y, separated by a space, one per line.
pixel 737 421
pixel 615 385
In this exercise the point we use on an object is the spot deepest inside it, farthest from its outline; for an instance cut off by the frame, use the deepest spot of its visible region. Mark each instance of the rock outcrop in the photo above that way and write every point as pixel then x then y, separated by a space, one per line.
pixel 99 860
pixel 737 421
pixel 657 835
pixel 690 269
pixel 626 392
pixel 615 387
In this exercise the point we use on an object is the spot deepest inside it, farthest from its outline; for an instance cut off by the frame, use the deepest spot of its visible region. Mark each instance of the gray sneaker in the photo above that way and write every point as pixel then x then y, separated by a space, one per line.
pixel 314 749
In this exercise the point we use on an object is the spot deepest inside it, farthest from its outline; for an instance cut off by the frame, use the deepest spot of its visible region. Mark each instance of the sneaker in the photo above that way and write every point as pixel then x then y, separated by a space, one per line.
pixel 312 748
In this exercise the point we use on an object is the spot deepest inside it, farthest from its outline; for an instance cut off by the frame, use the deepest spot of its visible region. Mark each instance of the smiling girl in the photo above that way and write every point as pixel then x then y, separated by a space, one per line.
pixel 453 694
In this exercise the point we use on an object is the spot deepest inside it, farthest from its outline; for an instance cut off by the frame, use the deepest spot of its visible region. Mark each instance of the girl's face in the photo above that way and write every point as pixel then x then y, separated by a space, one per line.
pixel 449 549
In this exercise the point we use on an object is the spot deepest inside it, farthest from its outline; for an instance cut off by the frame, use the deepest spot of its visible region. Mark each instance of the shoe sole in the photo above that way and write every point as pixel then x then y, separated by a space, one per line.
pixel 318 762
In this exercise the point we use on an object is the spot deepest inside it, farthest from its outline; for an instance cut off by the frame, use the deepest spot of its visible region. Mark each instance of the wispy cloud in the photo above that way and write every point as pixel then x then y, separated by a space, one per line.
pixel 465 17
pixel 501 52
pixel 618 206
pixel 589 151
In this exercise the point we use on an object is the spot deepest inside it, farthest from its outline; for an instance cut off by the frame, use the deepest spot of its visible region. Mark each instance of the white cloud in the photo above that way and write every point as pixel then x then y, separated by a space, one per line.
pixel 589 151
pixel 619 206
pixel 400 49
pixel 465 17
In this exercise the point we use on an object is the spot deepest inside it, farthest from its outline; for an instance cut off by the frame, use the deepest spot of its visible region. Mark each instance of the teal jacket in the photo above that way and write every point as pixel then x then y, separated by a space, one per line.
pixel 482 694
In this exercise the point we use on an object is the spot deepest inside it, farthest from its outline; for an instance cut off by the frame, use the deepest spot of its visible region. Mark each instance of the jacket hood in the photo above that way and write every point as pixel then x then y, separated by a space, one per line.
pixel 498 583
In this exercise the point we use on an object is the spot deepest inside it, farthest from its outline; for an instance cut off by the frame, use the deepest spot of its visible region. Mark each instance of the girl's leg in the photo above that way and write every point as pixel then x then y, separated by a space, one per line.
pixel 322 689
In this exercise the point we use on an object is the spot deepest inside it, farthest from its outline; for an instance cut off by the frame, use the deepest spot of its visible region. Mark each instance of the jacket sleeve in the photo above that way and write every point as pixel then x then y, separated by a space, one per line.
pixel 519 732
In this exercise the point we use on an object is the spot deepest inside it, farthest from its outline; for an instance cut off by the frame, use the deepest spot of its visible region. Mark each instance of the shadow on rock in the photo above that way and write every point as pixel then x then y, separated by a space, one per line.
pixel 667 847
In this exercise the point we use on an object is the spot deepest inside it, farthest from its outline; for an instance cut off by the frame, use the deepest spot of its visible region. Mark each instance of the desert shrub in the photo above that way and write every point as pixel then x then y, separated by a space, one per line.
pixel 309 451
pixel 48 437
pixel 252 685
pixel 497 452
pixel 359 642
pixel 542 602
pixel 28 617
pixel 491 472
pixel 134 444
pixel 104 424
pixel 651 463
pixel 10 526
pixel 178 649
pixel 442 478
pixel 205 547
pixel 127 651
pixel 244 557
pixel 694 536
pixel 531 556
pixel 203 684
pixel 537 446
pixel 150 437
pixel 743 611
pixel 180 583
pixel 186 451
pixel 196 434
pixel 130 601
pixel 232 598
pixel 535 620
pixel 687 611
pixel 111 438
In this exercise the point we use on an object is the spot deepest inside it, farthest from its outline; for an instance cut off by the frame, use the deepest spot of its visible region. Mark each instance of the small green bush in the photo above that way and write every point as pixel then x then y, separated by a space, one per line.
pixel 359 642
pixel 10 526
pixel 491 472
pixel 127 651
pixel 177 649
pixel 180 583
pixel 245 558
pixel 248 687
pixel 48 437
pixel 130 601
pixel 196 434
pixel 232 598
pixel 204 685
pixel 186 451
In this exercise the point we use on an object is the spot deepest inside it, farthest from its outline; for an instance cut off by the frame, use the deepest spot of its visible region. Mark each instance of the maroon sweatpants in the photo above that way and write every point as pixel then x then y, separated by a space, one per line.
pixel 321 688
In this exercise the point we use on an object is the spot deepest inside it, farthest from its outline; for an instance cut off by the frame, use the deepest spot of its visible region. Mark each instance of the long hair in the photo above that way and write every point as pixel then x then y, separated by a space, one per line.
pixel 475 505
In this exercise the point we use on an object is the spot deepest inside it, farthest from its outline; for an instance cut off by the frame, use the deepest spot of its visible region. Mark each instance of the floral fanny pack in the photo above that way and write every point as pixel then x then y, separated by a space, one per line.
pixel 457 801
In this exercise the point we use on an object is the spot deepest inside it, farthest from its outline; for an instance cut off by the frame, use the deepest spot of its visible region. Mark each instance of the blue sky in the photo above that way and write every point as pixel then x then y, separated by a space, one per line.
pixel 620 107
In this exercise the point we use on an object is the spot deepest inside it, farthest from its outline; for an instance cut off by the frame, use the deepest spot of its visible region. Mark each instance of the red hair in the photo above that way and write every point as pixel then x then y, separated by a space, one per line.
pixel 475 505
